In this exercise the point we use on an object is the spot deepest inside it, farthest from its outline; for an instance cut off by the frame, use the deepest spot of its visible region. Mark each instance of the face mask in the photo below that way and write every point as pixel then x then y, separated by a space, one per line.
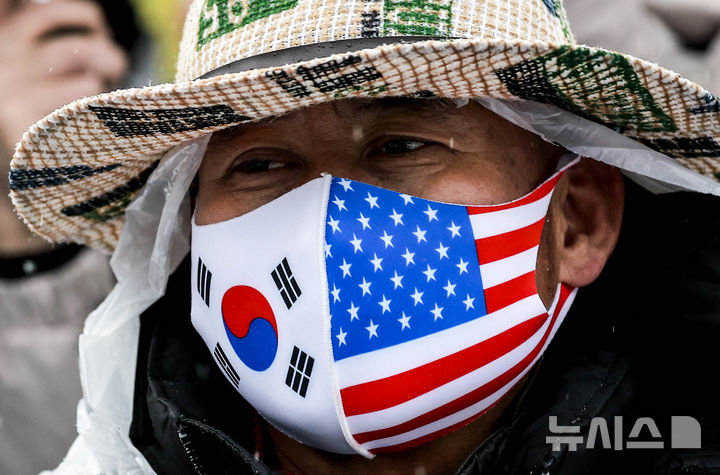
pixel 361 320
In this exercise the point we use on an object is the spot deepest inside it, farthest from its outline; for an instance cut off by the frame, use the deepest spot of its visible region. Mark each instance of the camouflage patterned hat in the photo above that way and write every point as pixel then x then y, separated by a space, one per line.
pixel 75 171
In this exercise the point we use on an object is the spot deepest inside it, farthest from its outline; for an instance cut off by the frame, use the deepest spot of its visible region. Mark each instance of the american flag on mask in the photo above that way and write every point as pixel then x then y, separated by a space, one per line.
pixel 434 308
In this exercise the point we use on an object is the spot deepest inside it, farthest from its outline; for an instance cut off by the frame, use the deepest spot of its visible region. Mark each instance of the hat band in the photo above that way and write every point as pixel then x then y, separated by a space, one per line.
pixel 299 54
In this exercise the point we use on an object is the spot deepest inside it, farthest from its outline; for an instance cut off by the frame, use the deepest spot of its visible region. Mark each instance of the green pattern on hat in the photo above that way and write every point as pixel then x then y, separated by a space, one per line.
pixel 256 10
pixel 418 17
pixel 598 85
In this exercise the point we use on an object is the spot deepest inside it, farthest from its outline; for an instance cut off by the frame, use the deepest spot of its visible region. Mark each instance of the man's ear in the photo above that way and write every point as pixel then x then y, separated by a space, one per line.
pixel 590 216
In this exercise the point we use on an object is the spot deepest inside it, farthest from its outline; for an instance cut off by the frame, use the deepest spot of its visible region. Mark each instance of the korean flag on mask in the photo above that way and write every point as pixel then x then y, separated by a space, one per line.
pixel 360 320
pixel 259 300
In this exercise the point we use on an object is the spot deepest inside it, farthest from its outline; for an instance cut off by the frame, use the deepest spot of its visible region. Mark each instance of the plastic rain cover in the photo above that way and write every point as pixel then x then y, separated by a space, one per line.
pixel 154 240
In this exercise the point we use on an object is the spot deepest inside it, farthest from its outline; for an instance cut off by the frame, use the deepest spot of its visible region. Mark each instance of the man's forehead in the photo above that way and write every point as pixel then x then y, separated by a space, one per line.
pixel 357 111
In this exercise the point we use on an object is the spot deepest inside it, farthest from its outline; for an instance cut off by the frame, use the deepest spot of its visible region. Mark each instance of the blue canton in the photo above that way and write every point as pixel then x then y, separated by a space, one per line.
pixel 398 267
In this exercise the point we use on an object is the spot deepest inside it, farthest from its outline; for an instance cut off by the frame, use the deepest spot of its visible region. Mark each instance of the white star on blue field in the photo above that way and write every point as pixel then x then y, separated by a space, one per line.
pixel 399 267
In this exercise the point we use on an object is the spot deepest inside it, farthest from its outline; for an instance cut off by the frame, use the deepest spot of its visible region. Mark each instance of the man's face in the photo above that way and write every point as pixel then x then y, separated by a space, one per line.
pixel 434 150
pixel 426 148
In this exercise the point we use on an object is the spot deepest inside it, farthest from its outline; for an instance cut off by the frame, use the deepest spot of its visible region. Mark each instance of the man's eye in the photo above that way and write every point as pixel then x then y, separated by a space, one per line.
pixel 259 166
pixel 397 146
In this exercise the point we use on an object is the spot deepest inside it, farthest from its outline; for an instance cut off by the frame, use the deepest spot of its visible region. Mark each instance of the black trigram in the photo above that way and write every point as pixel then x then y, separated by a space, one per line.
pixel 327 77
pixel 28 179
pixel 225 365
pixel 204 276
pixel 299 371
pixel 289 83
pixel 286 284
pixel 124 122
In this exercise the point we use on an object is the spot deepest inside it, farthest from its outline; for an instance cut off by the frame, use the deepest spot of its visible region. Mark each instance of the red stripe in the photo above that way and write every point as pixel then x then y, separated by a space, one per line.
pixel 500 246
pixel 464 401
pixel 509 292
pixel 399 388
pixel 536 195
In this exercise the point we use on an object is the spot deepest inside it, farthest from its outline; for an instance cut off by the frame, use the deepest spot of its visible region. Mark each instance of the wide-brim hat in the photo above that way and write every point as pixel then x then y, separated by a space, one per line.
pixel 75 171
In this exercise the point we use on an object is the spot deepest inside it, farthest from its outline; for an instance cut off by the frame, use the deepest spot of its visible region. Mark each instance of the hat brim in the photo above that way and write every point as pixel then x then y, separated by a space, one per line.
pixel 75 171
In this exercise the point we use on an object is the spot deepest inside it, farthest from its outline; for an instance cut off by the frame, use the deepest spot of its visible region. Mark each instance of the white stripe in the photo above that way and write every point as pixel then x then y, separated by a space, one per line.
pixel 507 269
pixel 406 356
pixel 448 392
pixel 506 220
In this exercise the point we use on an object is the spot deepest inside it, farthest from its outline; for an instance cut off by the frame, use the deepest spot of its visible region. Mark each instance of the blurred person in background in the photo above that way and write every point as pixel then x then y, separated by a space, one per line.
pixel 51 52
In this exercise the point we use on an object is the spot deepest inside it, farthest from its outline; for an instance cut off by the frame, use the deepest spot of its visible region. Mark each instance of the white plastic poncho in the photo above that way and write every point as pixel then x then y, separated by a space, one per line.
pixel 156 238
pixel 153 242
